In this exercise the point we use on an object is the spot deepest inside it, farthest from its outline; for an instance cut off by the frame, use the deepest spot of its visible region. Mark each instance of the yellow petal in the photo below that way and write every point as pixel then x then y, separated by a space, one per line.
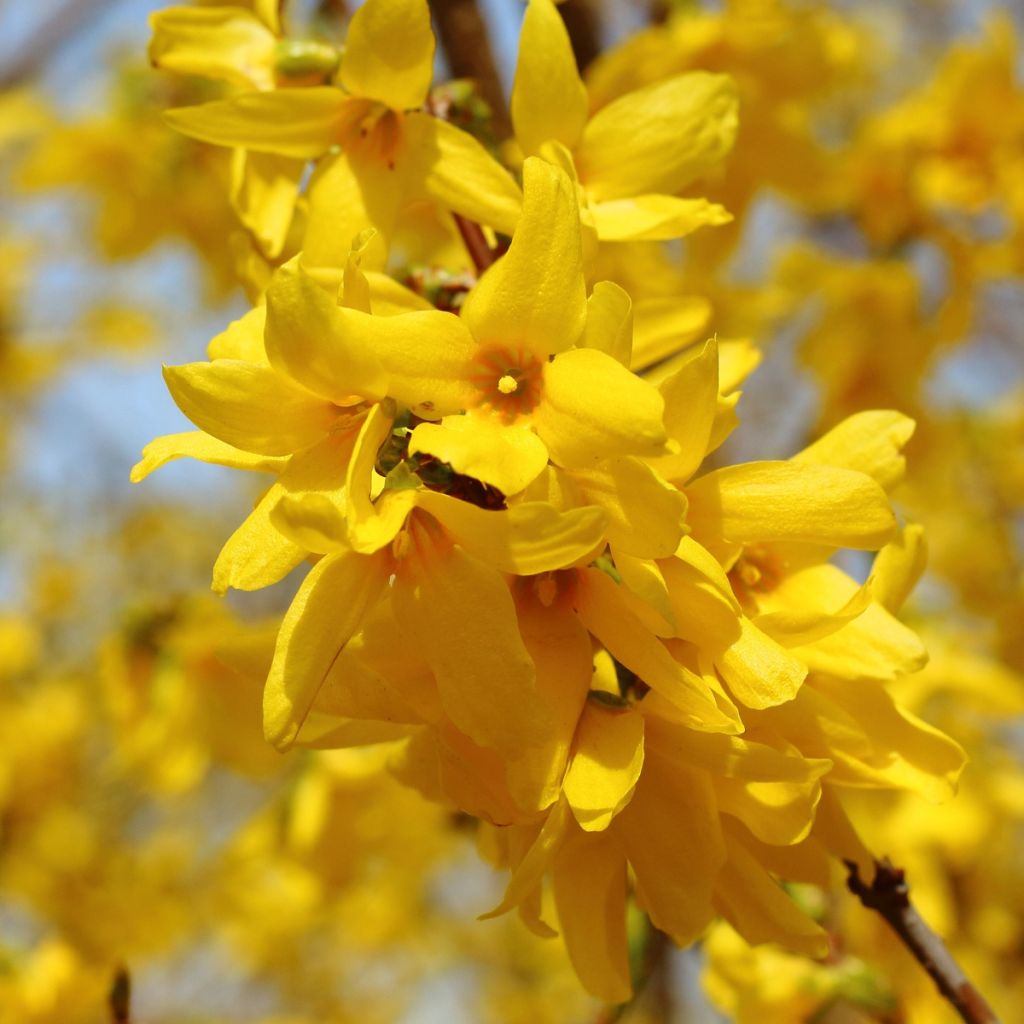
pixel 264 191
pixel 654 218
pixel 200 446
pixel 529 872
pixel 301 123
pixel 646 516
pixel 665 326
pixel 257 554
pixel 311 510
pixel 389 53
pixel 348 193
pixel 592 408
pixel 459 614
pixel 547 69
pixel 534 297
pixel 659 138
pixel 373 525
pixel 870 442
pixel 766 501
pixel 249 406
pixel 609 325
pixel 242 338
pixel 603 611
pixel 608 754
pixel 691 402
pixel 226 43
pixel 449 167
pixel 561 651
pixel 526 539
pixel 898 567
pixel 672 820
pixel 759 672
pixel 589 882
pixel 308 339
pixel 507 457
pixel 759 908
pixel 324 614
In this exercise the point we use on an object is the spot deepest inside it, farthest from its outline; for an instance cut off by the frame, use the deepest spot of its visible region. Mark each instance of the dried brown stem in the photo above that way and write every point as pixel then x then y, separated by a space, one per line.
pixel 464 38
pixel 475 241
pixel 889 895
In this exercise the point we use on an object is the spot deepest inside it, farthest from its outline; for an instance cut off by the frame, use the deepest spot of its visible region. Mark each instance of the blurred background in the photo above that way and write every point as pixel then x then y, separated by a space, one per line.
pixel 875 259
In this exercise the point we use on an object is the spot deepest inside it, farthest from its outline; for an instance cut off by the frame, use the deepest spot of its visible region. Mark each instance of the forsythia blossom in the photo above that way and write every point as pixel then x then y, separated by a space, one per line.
pixel 649 677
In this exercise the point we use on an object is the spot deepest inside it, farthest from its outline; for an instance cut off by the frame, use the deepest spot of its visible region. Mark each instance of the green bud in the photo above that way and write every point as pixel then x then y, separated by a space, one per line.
pixel 299 58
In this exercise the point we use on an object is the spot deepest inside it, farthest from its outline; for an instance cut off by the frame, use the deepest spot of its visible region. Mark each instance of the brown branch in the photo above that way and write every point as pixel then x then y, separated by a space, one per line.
pixel 889 895
pixel 464 38
pixel 581 21
pixel 120 998
pixel 651 981
pixel 50 36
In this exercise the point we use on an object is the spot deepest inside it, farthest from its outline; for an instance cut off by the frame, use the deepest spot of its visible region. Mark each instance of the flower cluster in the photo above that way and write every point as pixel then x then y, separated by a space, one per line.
pixel 648 677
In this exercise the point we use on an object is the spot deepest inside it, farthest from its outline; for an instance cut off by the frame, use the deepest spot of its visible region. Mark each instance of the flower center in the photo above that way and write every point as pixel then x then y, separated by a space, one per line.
pixel 508 381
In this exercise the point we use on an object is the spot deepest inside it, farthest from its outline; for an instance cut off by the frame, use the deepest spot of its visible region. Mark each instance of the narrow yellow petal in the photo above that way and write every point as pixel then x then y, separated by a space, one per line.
pixel 592 408
pixel 507 457
pixel 249 406
pixel 226 43
pixel 242 338
pixel 590 886
pixel 460 615
pixel 524 540
pixel 654 218
pixel 768 501
pixel 257 554
pixel 760 673
pixel 450 168
pixel 646 516
pixel 870 442
pixel 529 872
pixel 389 53
pixel 898 567
pixel 308 339
pixel 561 651
pixel 604 612
pixel 200 446
pixel 608 754
pixel 534 297
pixel 547 69
pixel 324 614
pixel 609 326
pixel 659 138
pixel 298 123
pixel 691 402
pixel 759 908
pixel 264 191
pixel 672 820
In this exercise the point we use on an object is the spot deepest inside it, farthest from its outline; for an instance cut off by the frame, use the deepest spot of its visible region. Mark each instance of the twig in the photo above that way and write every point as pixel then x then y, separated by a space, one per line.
pixel 652 978
pixel 464 38
pixel 475 241
pixel 584 30
pixel 889 895
pixel 50 36
pixel 120 998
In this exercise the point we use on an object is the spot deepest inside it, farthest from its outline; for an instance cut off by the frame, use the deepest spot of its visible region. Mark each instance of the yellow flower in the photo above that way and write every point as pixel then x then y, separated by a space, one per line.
pixel 632 157
pixel 393 153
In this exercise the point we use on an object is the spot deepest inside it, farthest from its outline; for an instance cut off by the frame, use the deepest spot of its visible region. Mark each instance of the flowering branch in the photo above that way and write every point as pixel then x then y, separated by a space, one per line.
pixel 889 895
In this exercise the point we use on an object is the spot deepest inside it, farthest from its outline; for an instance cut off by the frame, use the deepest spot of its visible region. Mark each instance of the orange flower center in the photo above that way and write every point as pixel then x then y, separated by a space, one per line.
pixel 508 381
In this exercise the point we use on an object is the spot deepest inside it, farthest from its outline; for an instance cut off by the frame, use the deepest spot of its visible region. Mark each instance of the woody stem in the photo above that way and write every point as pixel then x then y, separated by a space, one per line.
pixel 889 896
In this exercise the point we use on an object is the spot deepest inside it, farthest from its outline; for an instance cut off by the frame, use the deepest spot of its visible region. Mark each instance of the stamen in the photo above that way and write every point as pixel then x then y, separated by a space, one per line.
pixel 508 384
